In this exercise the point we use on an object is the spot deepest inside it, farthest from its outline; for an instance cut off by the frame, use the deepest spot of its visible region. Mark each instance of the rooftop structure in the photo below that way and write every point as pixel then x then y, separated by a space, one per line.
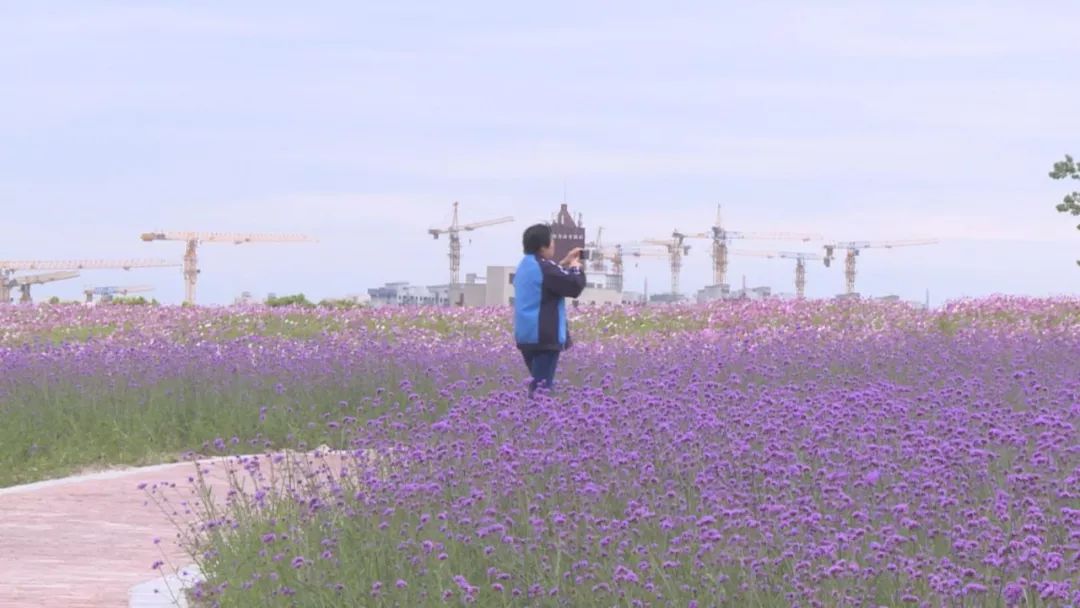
pixel 566 232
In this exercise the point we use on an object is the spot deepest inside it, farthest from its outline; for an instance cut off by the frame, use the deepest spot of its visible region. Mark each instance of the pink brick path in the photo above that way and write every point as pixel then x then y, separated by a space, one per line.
pixel 84 542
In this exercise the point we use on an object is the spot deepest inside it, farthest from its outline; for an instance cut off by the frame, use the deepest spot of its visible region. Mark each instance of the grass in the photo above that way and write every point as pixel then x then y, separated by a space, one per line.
pixel 51 431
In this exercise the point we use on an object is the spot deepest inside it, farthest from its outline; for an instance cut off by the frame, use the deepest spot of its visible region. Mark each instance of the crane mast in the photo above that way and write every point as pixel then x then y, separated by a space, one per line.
pixel 597 252
pixel 675 251
pixel 25 282
pixel 800 278
pixel 193 239
pixel 852 249
pixel 721 237
pixel 453 232
pixel 800 258
pixel 617 253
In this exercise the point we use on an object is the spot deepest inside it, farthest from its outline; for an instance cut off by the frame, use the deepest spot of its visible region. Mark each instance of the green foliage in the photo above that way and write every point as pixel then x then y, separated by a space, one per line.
pixel 1068 169
pixel 133 301
pixel 293 300
pixel 54 300
pixel 339 304
pixel 52 430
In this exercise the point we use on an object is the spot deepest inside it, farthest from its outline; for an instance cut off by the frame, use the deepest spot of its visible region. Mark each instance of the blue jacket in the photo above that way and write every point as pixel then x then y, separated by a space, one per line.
pixel 540 291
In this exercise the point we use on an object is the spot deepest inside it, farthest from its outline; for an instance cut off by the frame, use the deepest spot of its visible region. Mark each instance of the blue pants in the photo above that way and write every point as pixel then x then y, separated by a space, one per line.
pixel 541 364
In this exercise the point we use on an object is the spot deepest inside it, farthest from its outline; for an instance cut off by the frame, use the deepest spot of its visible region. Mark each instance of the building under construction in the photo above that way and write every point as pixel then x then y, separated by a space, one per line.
pixel 496 286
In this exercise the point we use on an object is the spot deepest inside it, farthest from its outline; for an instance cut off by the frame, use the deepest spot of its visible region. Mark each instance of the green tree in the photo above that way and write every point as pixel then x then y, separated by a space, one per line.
pixel 133 301
pixel 293 300
pixel 1068 169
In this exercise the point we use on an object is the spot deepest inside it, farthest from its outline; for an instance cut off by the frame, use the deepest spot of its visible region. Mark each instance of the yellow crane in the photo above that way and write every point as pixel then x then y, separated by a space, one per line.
pixel 854 247
pixel 193 239
pixel 8 267
pixel 454 231
pixel 721 238
pixel 598 253
pixel 800 258
pixel 675 252
pixel 633 251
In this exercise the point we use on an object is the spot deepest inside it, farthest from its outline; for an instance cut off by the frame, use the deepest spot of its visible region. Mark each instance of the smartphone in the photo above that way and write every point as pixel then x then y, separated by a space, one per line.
pixel 584 255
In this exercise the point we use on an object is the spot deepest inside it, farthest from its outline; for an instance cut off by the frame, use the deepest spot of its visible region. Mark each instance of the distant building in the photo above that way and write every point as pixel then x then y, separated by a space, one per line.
pixel 500 286
pixel 714 292
pixel 755 293
pixel 724 292
pixel 598 292
pixel 245 299
pixel 401 293
pixel 470 294
pixel 665 298
pixel 566 233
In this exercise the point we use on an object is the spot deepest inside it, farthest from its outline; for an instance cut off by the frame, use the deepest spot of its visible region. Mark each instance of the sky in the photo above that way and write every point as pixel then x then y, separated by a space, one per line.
pixel 359 123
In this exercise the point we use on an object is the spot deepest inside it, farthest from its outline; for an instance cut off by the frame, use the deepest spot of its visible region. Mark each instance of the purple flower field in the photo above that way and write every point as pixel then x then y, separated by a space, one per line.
pixel 748 454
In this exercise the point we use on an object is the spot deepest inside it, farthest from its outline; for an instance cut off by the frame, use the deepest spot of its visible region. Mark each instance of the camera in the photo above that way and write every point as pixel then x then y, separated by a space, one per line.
pixel 584 255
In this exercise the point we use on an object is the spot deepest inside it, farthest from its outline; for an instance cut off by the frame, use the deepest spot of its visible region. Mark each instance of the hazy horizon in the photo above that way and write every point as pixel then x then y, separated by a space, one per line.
pixel 360 125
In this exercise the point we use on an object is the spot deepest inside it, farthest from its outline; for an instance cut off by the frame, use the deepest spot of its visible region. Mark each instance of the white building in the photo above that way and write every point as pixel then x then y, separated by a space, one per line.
pixel 598 292
pixel 470 294
pixel 712 293
pixel 724 292
pixel 499 286
pixel 401 293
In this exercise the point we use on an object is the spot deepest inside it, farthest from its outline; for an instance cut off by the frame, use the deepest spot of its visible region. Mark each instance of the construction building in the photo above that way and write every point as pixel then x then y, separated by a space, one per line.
pixel 496 288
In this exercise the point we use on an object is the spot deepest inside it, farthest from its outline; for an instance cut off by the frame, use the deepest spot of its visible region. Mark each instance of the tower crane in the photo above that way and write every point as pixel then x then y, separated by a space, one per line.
pixel 107 293
pixel 24 282
pixel 616 253
pixel 597 252
pixel 8 267
pixel 721 237
pixel 854 247
pixel 675 252
pixel 454 232
pixel 800 258
pixel 191 260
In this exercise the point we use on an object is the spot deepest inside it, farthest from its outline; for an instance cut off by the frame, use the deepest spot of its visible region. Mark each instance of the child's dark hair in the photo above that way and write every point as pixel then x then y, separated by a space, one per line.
pixel 536 237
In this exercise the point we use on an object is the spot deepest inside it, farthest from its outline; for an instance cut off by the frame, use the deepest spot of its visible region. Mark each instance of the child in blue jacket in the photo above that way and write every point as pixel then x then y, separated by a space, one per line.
pixel 540 290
